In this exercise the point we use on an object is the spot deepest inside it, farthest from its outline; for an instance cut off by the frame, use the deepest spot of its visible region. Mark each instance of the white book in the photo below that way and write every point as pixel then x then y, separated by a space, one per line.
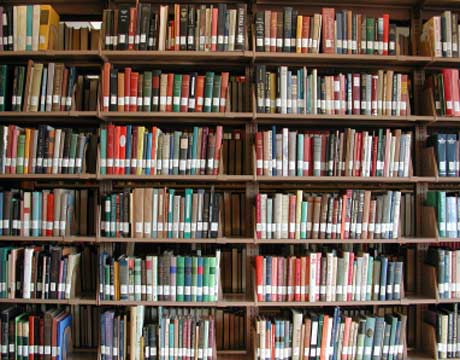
pixel 312 281
pixel 278 214
pixel 285 149
pixel 72 271
pixel 28 254
pixel 284 90
pixel 297 318
pixel 285 217
pixel 263 215
pixel 329 267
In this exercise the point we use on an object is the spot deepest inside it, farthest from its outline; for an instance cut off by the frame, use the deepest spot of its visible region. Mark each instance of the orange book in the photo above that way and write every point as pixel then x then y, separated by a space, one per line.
pixel 176 27
pixel 134 80
pixel 215 19
pixel 273 34
pixel 199 93
pixel 65 84
pixel 324 344
pixel 223 91
pixel 127 88
pixel 49 163
pixel 169 92
pixel 132 28
pixel 106 86
pixel 346 336
pixel 305 33
pixel 121 92
pixel 328 36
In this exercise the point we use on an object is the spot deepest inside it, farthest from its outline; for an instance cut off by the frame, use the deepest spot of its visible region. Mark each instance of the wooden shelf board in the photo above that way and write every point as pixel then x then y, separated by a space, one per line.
pixel 194 178
pixel 216 304
pixel 156 115
pixel 54 55
pixel 221 240
pixel 324 303
pixel 83 117
pixel 60 239
pixel 347 241
pixel 82 354
pixel 329 179
pixel 78 301
pixel 48 176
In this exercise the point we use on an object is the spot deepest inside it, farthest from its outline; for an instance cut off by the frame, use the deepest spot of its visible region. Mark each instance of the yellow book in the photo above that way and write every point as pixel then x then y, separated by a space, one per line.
pixel 49 28
pixel 298 38
pixel 140 149
pixel 116 282
pixel 27 150
pixel 298 212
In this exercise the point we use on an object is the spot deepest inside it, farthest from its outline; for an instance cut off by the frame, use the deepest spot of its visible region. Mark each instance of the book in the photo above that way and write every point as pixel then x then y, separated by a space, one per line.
pixel 446 206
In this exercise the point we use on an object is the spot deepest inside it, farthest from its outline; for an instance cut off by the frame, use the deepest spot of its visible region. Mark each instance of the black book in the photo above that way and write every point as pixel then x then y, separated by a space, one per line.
pixel 7 331
pixel 113 89
pixel 392 40
pixel 260 27
pixel 56 254
pixel 66 151
pixel 146 13
pixel 222 8
pixel 123 27
pixel 191 27
pixel 241 22
pixel 183 27
pixel 192 95
pixel 295 13
pixel 152 32
pixel 9 28
pixel 287 28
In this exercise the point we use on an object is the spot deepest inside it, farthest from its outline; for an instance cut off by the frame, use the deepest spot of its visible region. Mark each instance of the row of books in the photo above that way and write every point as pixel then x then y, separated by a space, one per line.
pixel 447 209
pixel 328 277
pixel 52 87
pixel 287 90
pixel 447 264
pixel 38 334
pixel 233 261
pixel 445 319
pixel 440 36
pixel 57 212
pixel 155 278
pixel 85 326
pixel 446 148
pixel 341 334
pixel 133 91
pixel 219 27
pixel 43 150
pixel 352 214
pixel 341 32
pixel 28 27
pixel 40 272
pixel 446 92
pixel 77 37
pixel 230 329
pixel 139 150
pixel 333 153
pixel 162 334
pixel 162 213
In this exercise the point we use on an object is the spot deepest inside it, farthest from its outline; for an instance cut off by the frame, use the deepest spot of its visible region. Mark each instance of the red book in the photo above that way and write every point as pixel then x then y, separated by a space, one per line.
pixel 298 272
pixel 307 165
pixel 199 92
pixel 132 28
pixel 218 150
pixel 258 217
pixel 274 280
pixel 290 277
pixel 386 33
pixel 260 277
pixel 223 91
pixel 292 207
pixel 127 87
pixel 337 97
pixel 356 94
pixel 116 149
pixel 328 35
pixel 14 150
pixel 134 152
pixel 105 87
pixel 455 92
pixel 155 91
pixel 259 153
pixel 374 109
pixel 122 149
pixel 134 79
pixel 215 19
pixel 169 92
pixel 49 214
pixel 447 79
pixel 305 33
pixel 32 337
pixel 350 277
pixel 375 141
pixel 110 134
pixel 41 334
pixel 184 93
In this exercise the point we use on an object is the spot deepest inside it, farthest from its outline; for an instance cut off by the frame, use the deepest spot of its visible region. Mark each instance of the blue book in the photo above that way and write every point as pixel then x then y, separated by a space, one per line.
pixel 369 337
pixel 102 339
pixel 149 154
pixel 128 150
pixel 378 339
pixel 199 280
pixel 170 212
pixel 268 277
pixel 451 154
pixel 451 207
pixel 383 277
pixel 278 334
pixel 109 316
pixel 335 329
pixel 300 89
pixel 43 89
pixel 273 162
pixel 171 341
pixel 122 336
pixel 188 279
pixel 29 27
pixel 440 143
pixel 289 92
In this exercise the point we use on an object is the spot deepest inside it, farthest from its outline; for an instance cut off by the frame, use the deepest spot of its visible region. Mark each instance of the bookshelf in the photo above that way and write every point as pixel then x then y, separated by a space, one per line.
pixel 421 122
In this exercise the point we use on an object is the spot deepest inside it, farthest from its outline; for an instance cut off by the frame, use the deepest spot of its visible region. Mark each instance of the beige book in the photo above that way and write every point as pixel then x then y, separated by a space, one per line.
pixel 138 212
pixel 21 21
pixel 35 87
pixel 35 26
pixel 163 87
pixel 285 217
pixel 163 27
pixel 148 201
pixel 297 318
pixel 380 85
pixel 278 213
pixel 208 32
pixel 232 30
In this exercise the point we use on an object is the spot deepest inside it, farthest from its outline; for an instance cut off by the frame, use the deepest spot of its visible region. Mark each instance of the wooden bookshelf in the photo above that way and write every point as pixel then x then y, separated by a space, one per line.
pixel 411 11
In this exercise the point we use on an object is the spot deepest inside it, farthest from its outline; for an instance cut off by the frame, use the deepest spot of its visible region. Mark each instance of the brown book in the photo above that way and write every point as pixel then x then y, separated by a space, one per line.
pixel 138 212
pixel 148 200
pixel 323 216
pixel 316 217
pixel 57 86
pixel 28 81
pixel 328 37
pixel 227 218
pixel 235 271
pixel 84 39
pixel 95 38
pixel 76 39
pixel 34 95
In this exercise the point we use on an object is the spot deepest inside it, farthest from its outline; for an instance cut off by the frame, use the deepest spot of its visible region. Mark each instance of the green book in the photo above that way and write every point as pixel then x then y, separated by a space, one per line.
pixel 303 220
pixel 300 152
pixel 103 150
pixel 194 277
pixel 194 151
pixel 20 154
pixel 380 155
pixel 216 93
pixel 18 320
pixel 320 335
pixel 369 337
pixel 394 326
pixel 441 213
pixel 180 278
pixel 170 212
pixel 73 154
pixel 3 82
pixel 4 251
pixel 206 279
pixel 177 89
pixel 208 91
pixel 20 89
pixel 147 103
pixel 370 26
pixel 212 262
pixel 188 213
pixel 137 279
pixel 113 215
pixel 107 282
pixel 29 27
